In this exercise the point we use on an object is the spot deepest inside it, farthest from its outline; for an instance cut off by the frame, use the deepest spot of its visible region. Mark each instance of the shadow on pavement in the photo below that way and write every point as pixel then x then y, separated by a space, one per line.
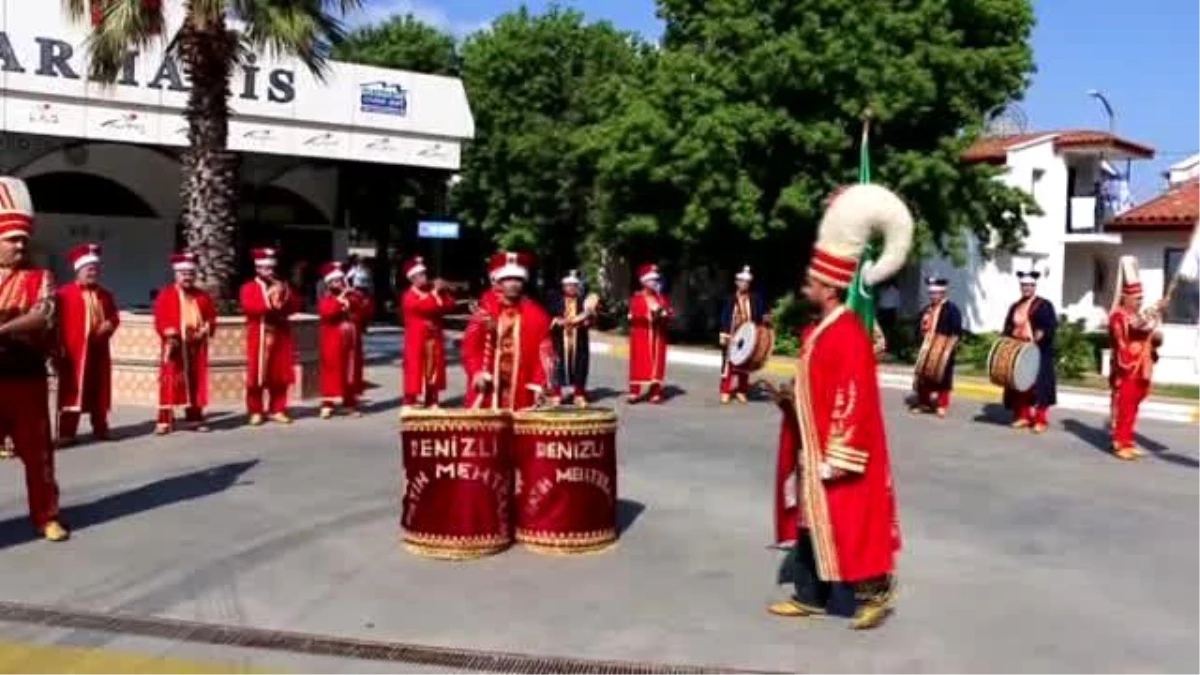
pixel 173 490
pixel 628 511
pixel 1099 438
pixel 994 413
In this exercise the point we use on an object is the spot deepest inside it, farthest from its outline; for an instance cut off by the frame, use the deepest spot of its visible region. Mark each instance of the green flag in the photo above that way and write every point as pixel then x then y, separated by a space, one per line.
pixel 861 298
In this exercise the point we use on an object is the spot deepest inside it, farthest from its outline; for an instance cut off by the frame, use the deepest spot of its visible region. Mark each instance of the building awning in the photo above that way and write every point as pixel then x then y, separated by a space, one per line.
pixel 350 112
pixel 995 149
pixel 1176 209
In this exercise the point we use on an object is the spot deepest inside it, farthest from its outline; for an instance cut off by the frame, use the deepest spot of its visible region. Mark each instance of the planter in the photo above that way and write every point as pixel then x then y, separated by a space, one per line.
pixel 136 350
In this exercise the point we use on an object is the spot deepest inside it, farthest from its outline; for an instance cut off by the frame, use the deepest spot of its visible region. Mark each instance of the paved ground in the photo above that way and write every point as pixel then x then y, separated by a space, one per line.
pixel 1022 553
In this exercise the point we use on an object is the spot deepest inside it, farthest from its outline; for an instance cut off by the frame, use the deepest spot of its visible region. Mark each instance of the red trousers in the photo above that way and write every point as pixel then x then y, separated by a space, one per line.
pixel 25 415
pixel 1025 409
pixel 734 381
pixel 276 393
pixel 191 414
pixel 68 424
pixel 429 399
pixel 654 390
pixel 927 395
pixel 1128 395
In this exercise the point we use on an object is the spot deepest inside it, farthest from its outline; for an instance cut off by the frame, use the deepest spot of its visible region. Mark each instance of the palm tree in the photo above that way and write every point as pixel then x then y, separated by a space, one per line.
pixel 209 48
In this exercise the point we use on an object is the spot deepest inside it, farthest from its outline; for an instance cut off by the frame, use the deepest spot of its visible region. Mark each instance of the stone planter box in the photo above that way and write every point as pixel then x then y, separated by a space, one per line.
pixel 136 350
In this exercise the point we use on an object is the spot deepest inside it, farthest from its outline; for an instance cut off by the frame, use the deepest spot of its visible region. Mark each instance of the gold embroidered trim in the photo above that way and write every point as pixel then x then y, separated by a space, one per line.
pixel 845 464
pixel 838 447
pixel 448 547
pixel 425 419
pixel 567 543
pixel 554 550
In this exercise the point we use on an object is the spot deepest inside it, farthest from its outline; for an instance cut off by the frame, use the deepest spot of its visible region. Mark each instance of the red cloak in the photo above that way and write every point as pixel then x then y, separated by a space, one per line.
pixel 344 319
pixel 191 316
pixel 270 351
pixel 424 340
pixel 509 346
pixel 838 427
pixel 648 337
pixel 88 316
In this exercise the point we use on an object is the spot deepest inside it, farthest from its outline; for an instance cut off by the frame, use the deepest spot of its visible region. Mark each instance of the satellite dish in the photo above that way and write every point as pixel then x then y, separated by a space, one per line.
pixel 1006 120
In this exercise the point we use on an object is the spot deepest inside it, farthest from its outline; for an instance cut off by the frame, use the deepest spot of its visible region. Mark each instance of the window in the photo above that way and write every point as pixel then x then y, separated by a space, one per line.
pixel 1185 302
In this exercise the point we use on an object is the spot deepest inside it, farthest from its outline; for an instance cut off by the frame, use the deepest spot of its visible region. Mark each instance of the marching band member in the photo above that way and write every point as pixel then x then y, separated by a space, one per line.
pixel 185 318
pixel 27 315
pixel 88 319
pixel 268 303
pixel 344 313
pixel 939 317
pixel 570 328
pixel 506 347
pixel 1033 319
pixel 1135 340
pixel 744 306
pixel 834 493
pixel 650 317
pixel 424 304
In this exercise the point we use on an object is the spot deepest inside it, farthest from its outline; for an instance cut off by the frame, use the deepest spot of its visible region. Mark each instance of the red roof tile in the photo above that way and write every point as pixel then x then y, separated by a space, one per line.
pixel 1176 209
pixel 994 149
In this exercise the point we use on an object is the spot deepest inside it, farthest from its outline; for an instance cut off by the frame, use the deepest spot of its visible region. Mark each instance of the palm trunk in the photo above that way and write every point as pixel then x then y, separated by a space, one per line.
pixel 210 171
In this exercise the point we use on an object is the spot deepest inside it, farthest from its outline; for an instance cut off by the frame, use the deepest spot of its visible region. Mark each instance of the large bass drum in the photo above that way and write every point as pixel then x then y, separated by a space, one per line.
pixel 750 346
pixel 1014 364
pixel 566 494
pixel 457 501
pixel 934 359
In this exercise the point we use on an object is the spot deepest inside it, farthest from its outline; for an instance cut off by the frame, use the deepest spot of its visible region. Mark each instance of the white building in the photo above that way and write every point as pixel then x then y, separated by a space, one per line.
pixel 102 161
pixel 1075 243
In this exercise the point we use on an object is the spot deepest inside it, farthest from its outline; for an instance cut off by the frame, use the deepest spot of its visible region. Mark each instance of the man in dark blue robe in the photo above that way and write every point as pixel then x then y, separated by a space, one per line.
pixel 744 306
pixel 940 329
pixel 1033 319
pixel 571 322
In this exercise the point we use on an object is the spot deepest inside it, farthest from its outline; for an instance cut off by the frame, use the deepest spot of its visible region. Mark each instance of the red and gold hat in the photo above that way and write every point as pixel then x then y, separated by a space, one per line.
pixel 184 261
pixel 1129 278
pixel 852 215
pixel 510 265
pixel 16 208
pixel 413 266
pixel 648 272
pixel 263 257
pixel 331 271
pixel 83 255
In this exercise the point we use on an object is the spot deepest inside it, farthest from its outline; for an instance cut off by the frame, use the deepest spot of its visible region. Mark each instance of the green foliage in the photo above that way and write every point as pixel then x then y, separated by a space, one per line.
pixel 790 314
pixel 750 117
pixel 1078 351
pixel 404 43
pixel 973 350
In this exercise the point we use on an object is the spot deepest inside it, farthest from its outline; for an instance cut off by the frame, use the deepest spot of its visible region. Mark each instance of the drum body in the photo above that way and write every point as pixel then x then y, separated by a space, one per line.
pixel 457 500
pixel 1014 364
pixel 750 346
pixel 934 359
pixel 566 487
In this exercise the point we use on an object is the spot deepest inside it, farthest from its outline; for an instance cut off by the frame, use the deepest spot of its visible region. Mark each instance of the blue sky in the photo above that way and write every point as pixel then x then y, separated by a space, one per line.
pixel 1142 55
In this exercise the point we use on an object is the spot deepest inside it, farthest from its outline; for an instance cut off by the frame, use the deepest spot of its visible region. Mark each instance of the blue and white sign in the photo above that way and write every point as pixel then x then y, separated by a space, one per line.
pixel 385 98
pixel 437 229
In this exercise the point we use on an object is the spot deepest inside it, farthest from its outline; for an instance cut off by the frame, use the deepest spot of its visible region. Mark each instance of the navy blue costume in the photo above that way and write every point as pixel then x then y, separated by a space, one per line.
pixel 571 346
pixel 950 324
pixel 1043 318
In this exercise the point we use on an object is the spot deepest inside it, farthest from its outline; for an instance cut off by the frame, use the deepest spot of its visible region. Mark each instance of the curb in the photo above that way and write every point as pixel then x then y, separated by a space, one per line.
pixel 1070 400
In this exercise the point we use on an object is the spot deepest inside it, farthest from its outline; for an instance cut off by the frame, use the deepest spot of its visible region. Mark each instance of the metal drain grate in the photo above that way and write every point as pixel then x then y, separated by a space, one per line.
pixel 324 645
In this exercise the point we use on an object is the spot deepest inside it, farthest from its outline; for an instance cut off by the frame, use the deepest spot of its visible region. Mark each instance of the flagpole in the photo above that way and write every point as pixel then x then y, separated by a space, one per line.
pixel 861 298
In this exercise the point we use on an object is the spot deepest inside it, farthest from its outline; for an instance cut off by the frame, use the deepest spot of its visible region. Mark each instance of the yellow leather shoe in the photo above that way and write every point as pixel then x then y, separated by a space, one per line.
pixel 54 531
pixel 869 616
pixel 1020 424
pixel 281 418
pixel 725 399
pixel 1126 454
pixel 941 412
pixel 256 420
pixel 581 402
pixel 326 412
pixel 792 609
pixel 1137 452
pixel 1039 428
pixel 741 398
pixel 161 429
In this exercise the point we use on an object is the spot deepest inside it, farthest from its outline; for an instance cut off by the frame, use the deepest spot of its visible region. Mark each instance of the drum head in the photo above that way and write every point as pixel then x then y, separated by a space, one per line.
pixel 1026 367
pixel 742 343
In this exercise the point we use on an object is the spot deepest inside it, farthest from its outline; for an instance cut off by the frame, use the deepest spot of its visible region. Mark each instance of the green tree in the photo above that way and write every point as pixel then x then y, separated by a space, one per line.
pixel 404 43
pixel 209 47
pixel 537 83
pixel 751 118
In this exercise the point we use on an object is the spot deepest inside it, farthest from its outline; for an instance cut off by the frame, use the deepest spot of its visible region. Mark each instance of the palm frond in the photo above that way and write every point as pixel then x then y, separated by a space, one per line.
pixel 125 26
pixel 76 9
pixel 306 29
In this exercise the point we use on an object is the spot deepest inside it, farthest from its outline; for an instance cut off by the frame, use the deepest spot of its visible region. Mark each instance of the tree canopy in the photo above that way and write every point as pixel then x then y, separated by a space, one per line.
pixel 402 42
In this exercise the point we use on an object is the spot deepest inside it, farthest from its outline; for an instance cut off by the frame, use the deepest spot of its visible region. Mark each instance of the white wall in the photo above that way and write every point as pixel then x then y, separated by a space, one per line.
pixel 135 251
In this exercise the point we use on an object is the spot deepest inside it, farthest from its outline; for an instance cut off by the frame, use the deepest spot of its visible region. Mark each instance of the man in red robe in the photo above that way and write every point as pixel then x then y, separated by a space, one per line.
pixel 506 348
pixel 423 305
pixel 268 303
pixel 1135 339
pixel 88 316
pixel 834 484
pixel 27 314
pixel 650 317
pixel 185 318
pixel 344 313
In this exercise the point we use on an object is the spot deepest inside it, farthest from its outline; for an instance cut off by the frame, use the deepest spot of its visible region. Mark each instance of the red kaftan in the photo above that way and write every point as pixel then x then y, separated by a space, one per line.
pixel 1130 374
pixel 508 346
pixel 270 351
pixel 344 319
pixel 84 364
pixel 649 317
pixel 838 426
pixel 188 314
pixel 424 342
